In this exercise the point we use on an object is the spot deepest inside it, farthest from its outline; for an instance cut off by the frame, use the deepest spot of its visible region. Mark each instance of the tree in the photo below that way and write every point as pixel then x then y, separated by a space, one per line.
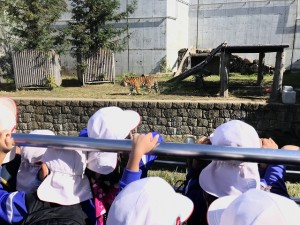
pixel 6 40
pixel 4 26
pixel 33 23
pixel 93 25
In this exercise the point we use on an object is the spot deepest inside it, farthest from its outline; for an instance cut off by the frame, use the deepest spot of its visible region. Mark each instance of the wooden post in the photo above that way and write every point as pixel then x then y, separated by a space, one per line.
pixel 224 74
pixel 278 75
pixel 260 75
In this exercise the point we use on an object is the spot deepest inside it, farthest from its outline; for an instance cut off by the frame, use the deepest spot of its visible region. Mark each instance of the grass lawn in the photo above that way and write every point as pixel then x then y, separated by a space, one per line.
pixel 240 87
pixel 173 176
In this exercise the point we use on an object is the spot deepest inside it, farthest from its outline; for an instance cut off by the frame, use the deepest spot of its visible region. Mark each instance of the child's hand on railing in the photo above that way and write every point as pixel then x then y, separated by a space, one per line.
pixel 291 147
pixel 144 143
pixel 204 140
pixel 268 143
pixel 141 145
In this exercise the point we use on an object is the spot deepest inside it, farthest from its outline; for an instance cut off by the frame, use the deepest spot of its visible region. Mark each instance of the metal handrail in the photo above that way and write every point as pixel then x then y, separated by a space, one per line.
pixel 165 148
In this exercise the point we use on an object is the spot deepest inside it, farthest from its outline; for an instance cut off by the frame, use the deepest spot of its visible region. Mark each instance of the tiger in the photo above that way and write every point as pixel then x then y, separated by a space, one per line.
pixel 136 83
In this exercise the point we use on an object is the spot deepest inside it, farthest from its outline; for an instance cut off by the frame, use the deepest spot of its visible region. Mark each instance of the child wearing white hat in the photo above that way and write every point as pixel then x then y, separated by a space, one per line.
pixel 62 197
pixel 66 183
pixel 107 123
pixel 222 178
pixel 27 177
pixel 151 200
pixel 253 207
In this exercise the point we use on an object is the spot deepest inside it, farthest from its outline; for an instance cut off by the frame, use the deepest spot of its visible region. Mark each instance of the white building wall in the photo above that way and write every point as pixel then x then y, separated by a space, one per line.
pixel 159 28
pixel 147 44
pixel 177 30
pixel 245 22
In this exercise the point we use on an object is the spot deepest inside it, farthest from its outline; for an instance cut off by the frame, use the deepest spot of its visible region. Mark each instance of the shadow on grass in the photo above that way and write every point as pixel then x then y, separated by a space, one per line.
pixel 71 83
pixel 242 89
pixel 9 87
pixel 186 88
pixel 125 94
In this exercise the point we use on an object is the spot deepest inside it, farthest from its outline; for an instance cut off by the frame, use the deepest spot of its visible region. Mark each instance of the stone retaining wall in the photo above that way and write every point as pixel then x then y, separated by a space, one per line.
pixel 172 119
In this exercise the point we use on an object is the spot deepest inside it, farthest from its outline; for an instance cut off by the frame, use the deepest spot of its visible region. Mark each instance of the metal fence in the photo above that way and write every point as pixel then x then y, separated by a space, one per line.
pixel 36 69
pixel 98 68
pixel 166 149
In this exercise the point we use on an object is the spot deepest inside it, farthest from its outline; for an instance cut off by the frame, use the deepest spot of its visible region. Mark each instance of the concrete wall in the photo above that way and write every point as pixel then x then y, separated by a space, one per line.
pixel 247 23
pixel 147 45
pixel 172 119
pixel 160 28
pixel 177 31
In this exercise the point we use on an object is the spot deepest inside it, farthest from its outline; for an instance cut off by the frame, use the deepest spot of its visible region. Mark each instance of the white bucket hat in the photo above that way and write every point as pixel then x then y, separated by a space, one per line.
pixel 66 184
pixel 28 170
pixel 235 133
pixel 8 121
pixel 109 123
pixel 149 201
pixel 254 207
pixel 221 178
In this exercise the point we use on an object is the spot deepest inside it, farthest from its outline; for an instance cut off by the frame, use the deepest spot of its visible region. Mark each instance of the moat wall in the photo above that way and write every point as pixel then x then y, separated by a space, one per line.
pixel 172 119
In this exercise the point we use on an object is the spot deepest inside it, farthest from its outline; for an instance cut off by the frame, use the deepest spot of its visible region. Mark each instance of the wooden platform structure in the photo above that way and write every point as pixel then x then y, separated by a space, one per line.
pixel 199 68
pixel 226 52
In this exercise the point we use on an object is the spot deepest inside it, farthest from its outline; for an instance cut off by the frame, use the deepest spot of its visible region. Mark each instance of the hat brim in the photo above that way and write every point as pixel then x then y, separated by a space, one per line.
pixel 184 206
pixel 131 120
pixel 221 178
pixel 217 208
pixel 64 189
pixel 102 162
pixel 208 181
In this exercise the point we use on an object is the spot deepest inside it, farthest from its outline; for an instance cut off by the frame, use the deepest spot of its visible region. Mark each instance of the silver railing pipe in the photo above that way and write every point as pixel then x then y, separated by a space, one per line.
pixel 166 148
